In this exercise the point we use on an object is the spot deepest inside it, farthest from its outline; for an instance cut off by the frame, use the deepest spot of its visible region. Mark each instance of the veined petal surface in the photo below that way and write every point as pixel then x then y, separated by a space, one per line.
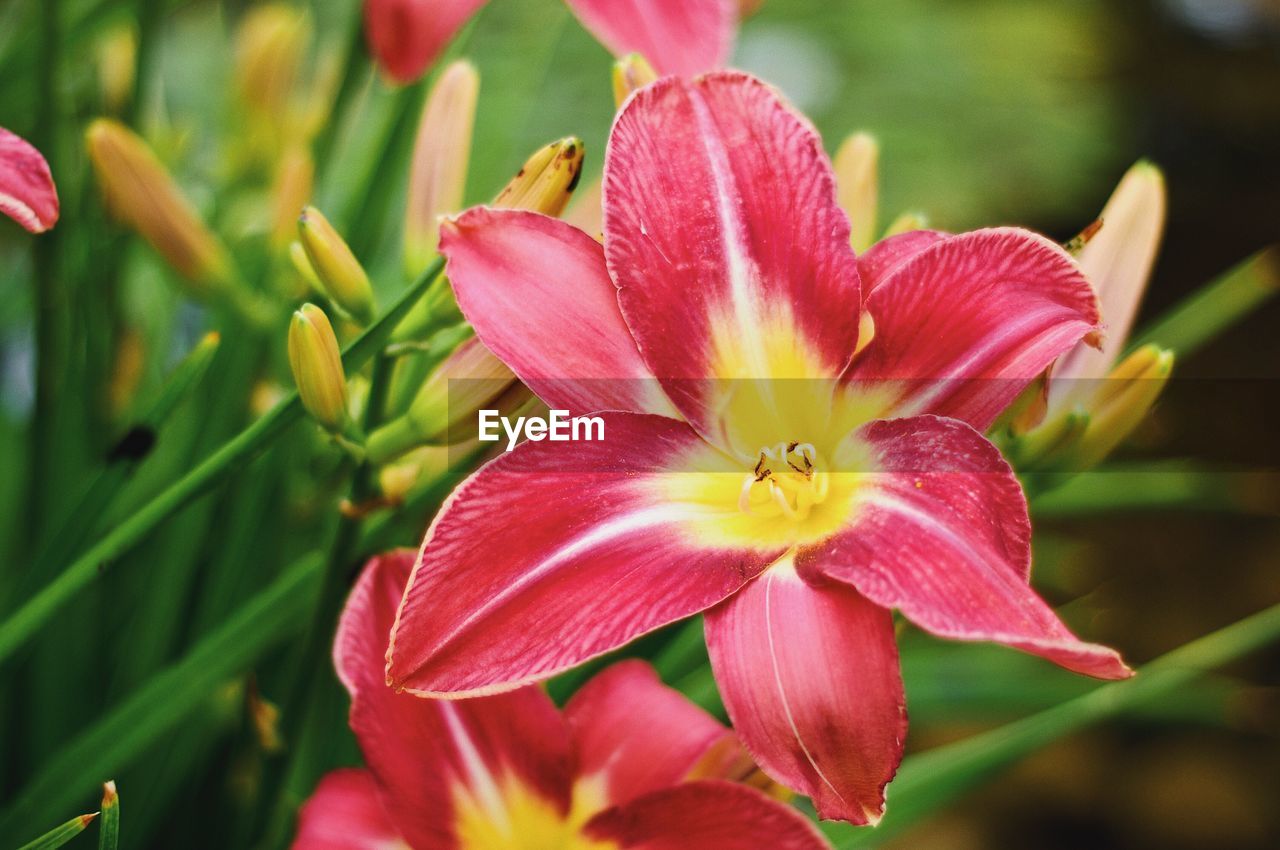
pixel 730 253
pixel 810 677
pixel 708 815
pixel 683 37
pixel 942 534
pixel 537 292
pixel 552 554
pixel 966 323
pixel 633 735
pixel 444 767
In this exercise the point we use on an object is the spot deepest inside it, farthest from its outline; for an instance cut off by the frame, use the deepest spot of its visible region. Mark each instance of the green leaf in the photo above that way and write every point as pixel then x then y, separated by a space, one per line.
pixel 170 696
pixel 109 826
pixel 60 835
pixel 93 563
pixel 929 781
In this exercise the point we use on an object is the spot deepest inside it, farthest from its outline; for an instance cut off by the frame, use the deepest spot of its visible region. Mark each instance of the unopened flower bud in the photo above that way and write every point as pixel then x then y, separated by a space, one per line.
pixel 117 66
pixel 906 223
pixel 317 368
pixel 438 174
pixel 1123 401
pixel 339 272
pixel 631 72
pixel 547 180
pixel 140 193
pixel 857 185
pixel 294 182
pixel 270 44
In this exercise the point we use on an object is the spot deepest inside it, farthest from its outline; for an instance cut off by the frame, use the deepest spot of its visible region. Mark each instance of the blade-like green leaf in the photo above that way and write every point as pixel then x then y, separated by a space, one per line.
pixel 168 697
pixel 60 835
pixel 109 826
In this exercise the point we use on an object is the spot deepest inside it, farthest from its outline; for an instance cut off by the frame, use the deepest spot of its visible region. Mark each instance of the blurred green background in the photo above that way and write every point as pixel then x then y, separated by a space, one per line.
pixel 988 111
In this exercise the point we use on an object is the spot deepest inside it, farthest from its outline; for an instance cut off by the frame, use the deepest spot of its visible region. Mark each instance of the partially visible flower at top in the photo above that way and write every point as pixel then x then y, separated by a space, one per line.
pixel 763 462
pixel 684 37
pixel 141 194
pixel 407 36
pixel 27 193
pixel 614 771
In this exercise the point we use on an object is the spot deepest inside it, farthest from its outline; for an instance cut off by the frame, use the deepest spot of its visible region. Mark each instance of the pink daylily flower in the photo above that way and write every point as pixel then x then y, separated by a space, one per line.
pixel 612 772
pixel 683 37
pixel 793 440
pixel 407 36
pixel 27 193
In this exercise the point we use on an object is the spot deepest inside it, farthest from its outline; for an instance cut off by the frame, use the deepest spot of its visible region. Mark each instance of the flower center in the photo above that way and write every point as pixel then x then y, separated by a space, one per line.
pixel 787 481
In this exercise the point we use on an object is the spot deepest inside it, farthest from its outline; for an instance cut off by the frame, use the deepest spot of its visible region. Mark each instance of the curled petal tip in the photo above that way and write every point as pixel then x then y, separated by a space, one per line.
pixel 27 191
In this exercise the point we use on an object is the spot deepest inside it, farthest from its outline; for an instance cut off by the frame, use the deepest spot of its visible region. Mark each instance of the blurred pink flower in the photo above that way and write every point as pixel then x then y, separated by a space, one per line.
pixel 27 193
pixel 613 770
pixel 793 440
pixel 407 36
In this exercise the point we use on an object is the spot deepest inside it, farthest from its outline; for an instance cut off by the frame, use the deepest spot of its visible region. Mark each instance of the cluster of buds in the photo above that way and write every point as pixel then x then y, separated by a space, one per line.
pixel 1094 398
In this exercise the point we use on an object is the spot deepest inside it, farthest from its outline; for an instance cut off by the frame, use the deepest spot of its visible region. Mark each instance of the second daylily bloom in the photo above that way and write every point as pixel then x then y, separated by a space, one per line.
pixel 793 440
pixel 614 771
pixel 27 193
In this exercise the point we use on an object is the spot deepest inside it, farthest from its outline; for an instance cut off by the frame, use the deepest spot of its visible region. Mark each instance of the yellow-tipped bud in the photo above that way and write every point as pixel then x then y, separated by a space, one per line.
pixel 438 174
pixel 294 182
pixel 270 45
pixel 339 272
pixel 1123 401
pixel 906 223
pixel 547 180
pixel 858 186
pixel 631 72
pixel 140 193
pixel 117 66
pixel 302 265
pixel 424 464
pixel 317 368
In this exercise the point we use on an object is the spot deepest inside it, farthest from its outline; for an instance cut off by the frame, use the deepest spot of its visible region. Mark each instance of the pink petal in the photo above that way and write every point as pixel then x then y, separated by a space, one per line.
pixel 942 534
pixel 708 815
pixel 407 36
pixel 969 321
pixel 877 262
pixel 683 37
pixel 723 234
pixel 424 753
pixel 345 813
pixel 810 678
pixel 545 558
pixel 537 292
pixel 633 734
pixel 27 193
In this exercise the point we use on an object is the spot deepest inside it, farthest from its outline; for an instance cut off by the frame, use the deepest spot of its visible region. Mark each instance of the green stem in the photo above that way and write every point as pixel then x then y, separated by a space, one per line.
pixel 49 294
pixel 35 612
pixel 930 780
pixel 1209 311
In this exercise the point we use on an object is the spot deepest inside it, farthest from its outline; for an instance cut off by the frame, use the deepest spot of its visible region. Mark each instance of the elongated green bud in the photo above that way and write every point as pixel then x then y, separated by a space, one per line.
pixel 316 362
pixel 631 72
pixel 339 272
pixel 858 186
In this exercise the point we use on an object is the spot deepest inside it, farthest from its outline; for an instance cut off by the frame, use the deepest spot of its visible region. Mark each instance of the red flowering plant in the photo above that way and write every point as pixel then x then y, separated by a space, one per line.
pixel 793 440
